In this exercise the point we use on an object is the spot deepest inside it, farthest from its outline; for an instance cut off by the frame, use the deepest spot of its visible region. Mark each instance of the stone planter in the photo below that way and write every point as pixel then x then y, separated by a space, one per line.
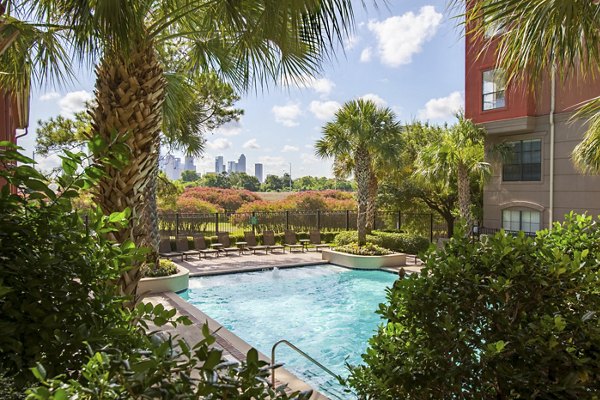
pixel 364 262
pixel 171 283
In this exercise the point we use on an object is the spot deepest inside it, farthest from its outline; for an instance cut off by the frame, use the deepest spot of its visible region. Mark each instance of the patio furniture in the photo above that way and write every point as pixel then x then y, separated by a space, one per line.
pixel 315 240
pixel 252 243
pixel 200 245
pixel 164 249
pixel 304 243
pixel 226 242
pixel 291 241
pixel 269 241
pixel 183 247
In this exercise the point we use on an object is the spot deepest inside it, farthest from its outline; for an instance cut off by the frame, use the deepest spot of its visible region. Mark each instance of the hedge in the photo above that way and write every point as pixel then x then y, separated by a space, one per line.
pixel 399 242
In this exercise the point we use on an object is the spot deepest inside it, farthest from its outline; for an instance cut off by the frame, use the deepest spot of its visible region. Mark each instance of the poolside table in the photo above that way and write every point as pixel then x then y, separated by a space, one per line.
pixel 242 246
pixel 304 243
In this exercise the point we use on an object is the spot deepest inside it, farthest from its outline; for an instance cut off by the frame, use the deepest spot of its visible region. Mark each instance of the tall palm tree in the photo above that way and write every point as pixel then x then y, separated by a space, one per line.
pixel 541 35
pixel 360 133
pixel 247 43
pixel 459 152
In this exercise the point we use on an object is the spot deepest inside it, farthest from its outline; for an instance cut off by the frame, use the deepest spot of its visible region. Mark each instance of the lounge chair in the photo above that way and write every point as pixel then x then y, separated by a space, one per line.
pixel 269 241
pixel 291 241
pixel 315 240
pixel 200 245
pixel 183 247
pixel 252 244
pixel 226 242
pixel 164 249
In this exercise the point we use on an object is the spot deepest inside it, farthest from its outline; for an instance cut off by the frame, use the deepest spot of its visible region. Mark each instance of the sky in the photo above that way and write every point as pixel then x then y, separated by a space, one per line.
pixel 407 55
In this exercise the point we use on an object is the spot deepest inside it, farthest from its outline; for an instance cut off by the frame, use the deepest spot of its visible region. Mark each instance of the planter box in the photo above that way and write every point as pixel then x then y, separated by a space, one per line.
pixel 172 283
pixel 364 262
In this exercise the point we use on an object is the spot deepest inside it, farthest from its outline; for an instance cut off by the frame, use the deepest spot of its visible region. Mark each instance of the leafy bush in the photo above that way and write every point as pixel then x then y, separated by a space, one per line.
pixel 196 206
pixel 403 242
pixel 164 268
pixel 398 242
pixel 511 317
pixel 368 249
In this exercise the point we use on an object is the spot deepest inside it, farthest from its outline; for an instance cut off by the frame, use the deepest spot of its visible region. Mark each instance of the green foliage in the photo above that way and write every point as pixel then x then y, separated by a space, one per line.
pixel 510 317
pixel 167 193
pixel 369 249
pixel 8 389
pixel 62 133
pixel 54 294
pixel 402 242
pixel 274 183
pixel 241 180
pixel 197 206
pixel 398 242
pixel 189 176
pixel 164 268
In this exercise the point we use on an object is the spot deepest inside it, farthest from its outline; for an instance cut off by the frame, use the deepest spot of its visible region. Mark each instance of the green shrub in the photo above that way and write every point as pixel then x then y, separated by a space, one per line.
pixel 511 317
pixel 398 242
pixel 368 249
pixel 403 242
pixel 164 268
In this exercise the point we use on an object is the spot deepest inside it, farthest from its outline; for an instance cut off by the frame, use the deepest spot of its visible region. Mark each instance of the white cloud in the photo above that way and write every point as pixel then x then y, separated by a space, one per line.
pixel 322 86
pixel 47 164
pixel 400 37
pixel 289 149
pixel 74 102
pixel 375 99
pixel 366 54
pixel 287 115
pixel 219 144
pixel 442 107
pixel 309 146
pixel 309 158
pixel 49 96
pixel 251 144
pixel 324 110
pixel 272 161
pixel 351 42
pixel 232 128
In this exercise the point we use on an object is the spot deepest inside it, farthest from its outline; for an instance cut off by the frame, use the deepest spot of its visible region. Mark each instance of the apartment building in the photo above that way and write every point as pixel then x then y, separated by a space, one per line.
pixel 537 183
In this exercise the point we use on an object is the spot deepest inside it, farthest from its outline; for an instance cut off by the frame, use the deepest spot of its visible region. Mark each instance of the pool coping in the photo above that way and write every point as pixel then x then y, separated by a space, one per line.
pixel 235 346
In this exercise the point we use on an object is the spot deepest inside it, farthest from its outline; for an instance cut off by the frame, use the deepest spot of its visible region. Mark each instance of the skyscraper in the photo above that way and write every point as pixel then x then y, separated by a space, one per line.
pixel 241 164
pixel 189 164
pixel 258 172
pixel 172 167
pixel 231 167
pixel 219 165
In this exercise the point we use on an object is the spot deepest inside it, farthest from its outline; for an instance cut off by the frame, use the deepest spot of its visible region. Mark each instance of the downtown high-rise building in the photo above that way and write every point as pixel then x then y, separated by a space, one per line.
pixel 258 172
pixel 219 165
pixel 241 164
pixel 231 167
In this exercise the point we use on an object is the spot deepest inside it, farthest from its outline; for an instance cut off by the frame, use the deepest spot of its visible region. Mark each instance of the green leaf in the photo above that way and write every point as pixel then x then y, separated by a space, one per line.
pixel 39 372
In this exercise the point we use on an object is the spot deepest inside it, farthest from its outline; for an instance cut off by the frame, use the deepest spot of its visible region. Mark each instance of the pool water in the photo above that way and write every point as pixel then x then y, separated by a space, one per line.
pixel 327 311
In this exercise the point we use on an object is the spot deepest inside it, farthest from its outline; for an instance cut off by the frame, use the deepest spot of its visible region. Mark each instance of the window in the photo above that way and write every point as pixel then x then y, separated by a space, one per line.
pixel 524 161
pixel 493 89
pixel 516 220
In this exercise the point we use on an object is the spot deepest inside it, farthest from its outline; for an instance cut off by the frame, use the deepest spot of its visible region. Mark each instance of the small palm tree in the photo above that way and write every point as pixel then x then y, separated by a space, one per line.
pixel 360 134
pixel 247 43
pixel 459 152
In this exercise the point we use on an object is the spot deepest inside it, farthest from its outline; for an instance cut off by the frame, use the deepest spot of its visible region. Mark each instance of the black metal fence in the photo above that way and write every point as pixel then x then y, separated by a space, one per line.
pixel 174 224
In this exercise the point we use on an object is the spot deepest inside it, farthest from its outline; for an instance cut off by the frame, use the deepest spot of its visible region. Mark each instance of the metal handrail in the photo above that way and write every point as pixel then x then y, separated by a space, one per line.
pixel 293 347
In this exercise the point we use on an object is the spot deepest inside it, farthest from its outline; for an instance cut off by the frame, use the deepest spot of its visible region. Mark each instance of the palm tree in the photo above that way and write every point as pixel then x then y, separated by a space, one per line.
pixel 360 133
pixel 247 43
pixel 539 36
pixel 459 152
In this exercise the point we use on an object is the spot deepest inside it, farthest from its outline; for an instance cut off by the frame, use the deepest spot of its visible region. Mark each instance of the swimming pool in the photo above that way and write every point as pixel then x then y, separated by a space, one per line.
pixel 327 311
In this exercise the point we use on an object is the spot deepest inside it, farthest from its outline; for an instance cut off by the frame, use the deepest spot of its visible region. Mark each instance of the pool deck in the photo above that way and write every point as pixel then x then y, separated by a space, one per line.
pixel 234 348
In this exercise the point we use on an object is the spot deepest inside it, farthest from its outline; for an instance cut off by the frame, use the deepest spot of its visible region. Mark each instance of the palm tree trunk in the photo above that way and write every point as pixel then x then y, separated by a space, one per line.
pixel 464 196
pixel 372 202
pixel 129 96
pixel 362 166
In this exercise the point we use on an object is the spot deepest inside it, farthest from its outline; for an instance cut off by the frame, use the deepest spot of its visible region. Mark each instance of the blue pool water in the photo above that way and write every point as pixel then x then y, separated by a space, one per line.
pixel 327 311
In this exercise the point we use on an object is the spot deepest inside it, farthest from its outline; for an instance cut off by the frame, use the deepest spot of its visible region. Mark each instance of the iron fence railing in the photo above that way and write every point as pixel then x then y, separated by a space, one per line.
pixel 174 224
